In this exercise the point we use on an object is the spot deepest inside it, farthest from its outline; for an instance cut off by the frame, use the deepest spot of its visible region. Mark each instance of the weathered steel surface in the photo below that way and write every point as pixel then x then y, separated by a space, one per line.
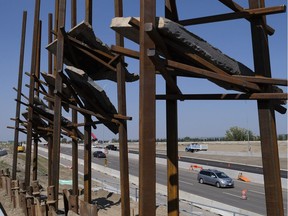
pixel 172 132
pixel 58 99
pixel 147 115
pixel 237 8
pixel 123 145
pixel 88 11
pixel 87 161
pixel 50 91
pixel 37 86
pixel 74 198
pixel 86 46
pixel 245 13
pixel 19 90
pixel 266 113
pixel 93 96
pixel 31 95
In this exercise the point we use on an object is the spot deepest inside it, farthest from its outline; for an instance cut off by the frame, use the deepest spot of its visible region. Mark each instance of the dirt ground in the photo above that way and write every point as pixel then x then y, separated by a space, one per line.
pixel 108 203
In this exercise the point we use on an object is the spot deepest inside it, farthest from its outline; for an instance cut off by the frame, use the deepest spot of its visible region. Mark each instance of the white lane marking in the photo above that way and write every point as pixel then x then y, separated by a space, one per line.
pixel 256 192
pixel 232 194
pixel 185 182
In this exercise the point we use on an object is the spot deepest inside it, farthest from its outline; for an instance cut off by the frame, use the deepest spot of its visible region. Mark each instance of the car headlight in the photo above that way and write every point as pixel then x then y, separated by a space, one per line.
pixel 222 181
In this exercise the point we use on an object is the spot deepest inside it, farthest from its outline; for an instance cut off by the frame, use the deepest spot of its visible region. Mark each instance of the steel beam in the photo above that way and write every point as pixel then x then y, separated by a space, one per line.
pixel 87 160
pixel 74 122
pixel 19 90
pixel 73 13
pixel 266 113
pixel 235 7
pixel 50 71
pixel 172 154
pixel 31 95
pixel 171 11
pixel 147 134
pixel 123 145
pixel 253 96
pixel 232 80
pixel 87 128
pixel 88 11
pixel 58 100
pixel 37 76
pixel 248 14
pixel 172 132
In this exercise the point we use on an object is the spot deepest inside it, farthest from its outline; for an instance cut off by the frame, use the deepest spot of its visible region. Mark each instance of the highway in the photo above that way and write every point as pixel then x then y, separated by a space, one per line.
pixel 221 164
pixel 188 183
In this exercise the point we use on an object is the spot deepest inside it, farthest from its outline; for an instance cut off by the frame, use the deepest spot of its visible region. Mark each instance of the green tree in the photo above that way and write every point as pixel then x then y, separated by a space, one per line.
pixel 239 134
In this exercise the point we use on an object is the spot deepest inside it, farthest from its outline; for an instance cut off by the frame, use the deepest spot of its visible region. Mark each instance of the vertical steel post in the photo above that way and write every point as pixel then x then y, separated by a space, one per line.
pixel 73 13
pixel 74 117
pixel 172 133
pixel 123 148
pixel 31 95
pixel 37 75
pixel 56 17
pixel 58 100
pixel 172 155
pixel 38 57
pixel 19 90
pixel 266 113
pixel 51 146
pixel 88 12
pixel 87 160
pixel 87 128
pixel 147 134
pixel 50 71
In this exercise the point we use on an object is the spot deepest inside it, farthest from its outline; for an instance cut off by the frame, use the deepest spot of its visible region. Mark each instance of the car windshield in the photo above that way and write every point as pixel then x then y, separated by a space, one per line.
pixel 221 175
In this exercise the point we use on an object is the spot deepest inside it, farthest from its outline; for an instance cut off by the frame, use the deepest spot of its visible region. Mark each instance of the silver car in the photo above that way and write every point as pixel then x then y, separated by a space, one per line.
pixel 215 177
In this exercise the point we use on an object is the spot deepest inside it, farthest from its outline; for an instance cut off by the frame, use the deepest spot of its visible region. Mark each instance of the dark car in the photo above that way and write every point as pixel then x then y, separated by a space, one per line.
pixel 215 177
pixel 99 154
pixel 111 147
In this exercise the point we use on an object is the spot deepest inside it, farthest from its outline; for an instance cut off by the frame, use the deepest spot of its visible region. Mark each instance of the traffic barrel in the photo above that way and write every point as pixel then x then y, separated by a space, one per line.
pixel 244 194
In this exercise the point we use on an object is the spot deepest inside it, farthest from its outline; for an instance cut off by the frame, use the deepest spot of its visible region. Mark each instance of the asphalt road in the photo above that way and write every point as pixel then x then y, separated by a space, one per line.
pixel 221 164
pixel 188 182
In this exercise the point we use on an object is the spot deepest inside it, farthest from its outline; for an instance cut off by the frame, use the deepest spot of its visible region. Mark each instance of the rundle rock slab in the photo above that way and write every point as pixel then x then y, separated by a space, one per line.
pixel 73 56
pixel 41 109
pixel 50 80
pixel 66 92
pixel 92 95
pixel 190 42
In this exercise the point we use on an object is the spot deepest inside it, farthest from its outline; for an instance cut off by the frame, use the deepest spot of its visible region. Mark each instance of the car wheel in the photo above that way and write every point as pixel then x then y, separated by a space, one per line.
pixel 201 181
pixel 218 185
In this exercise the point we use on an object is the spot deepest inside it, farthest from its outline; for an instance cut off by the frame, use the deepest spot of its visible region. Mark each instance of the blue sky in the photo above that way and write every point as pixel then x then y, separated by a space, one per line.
pixel 196 118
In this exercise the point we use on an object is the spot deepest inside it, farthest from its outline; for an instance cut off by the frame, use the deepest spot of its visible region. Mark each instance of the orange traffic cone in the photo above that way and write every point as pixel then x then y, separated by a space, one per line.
pixel 244 194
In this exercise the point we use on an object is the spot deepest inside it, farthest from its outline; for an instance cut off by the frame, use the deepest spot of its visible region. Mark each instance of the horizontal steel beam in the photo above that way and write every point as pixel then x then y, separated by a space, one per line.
pixel 247 14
